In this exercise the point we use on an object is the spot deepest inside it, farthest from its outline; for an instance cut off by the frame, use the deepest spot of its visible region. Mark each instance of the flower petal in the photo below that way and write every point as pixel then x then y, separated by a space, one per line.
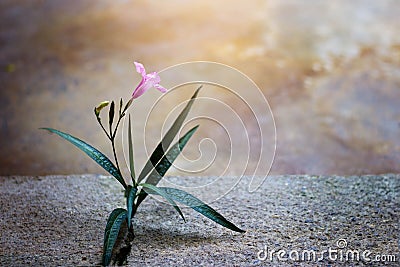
pixel 142 88
pixel 140 68
pixel 135 92
pixel 148 81
pixel 160 88
pixel 153 78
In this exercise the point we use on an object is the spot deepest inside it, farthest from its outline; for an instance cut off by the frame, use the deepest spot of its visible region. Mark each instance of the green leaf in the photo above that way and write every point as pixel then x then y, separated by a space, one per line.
pixel 129 202
pixel 159 152
pixel 199 206
pixel 151 189
pixel 166 162
pixel 111 218
pixel 113 226
pixel 130 144
pixel 169 158
pixel 92 152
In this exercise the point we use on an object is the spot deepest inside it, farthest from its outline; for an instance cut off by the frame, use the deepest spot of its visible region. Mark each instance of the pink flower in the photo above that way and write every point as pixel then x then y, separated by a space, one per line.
pixel 148 81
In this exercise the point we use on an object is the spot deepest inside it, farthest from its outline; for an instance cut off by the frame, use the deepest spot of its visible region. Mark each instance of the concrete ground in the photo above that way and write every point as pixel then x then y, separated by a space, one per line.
pixel 59 221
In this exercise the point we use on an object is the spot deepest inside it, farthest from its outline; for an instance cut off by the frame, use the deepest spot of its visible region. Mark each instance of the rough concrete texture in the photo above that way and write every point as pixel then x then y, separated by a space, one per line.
pixel 59 221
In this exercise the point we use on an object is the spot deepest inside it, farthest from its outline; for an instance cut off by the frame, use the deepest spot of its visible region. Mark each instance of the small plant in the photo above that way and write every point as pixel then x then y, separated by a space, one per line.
pixel 154 170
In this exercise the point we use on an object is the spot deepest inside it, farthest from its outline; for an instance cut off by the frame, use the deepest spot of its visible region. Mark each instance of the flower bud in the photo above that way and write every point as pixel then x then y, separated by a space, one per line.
pixel 100 107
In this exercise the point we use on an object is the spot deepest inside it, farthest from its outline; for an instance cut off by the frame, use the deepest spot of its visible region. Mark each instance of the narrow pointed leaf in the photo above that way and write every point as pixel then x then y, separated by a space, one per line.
pixel 130 144
pixel 92 152
pixel 112 229
pixel 111 218
pixel 199 206
pixel 166 162
pixel 159 152
pixel 129 202
pixel 168 159
pixel 151 189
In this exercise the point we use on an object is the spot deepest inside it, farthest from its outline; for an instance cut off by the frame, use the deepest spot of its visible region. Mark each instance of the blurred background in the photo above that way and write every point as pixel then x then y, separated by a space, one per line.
pixel 330 71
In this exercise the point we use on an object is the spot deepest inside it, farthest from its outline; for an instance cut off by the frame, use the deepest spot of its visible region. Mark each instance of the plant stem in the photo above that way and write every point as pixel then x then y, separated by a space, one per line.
pixel 104 129
pixel 112 139
pixel 116 127
pixel 111 135
pixel 115 154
